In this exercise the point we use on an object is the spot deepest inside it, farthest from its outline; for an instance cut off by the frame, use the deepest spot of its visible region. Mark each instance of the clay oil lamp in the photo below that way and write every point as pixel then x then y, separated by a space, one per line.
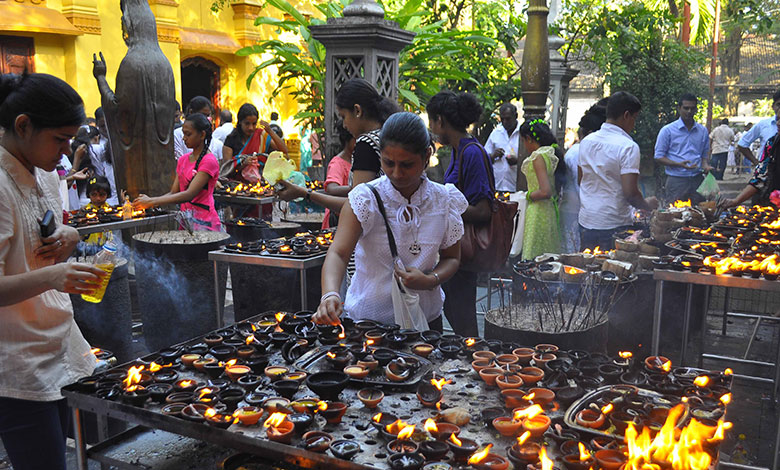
pixel 610 459
pixel 490 374
pixel 406 461
pixel 399 370
pixel 404 443
pixel 483 355
pixel 194 412
pixel 286 388
pixel 278 338
pixel 244 352
pixel 249 382
pixel 610 372
pixel 277 405
pixel 484 460
pixel 236 371
pixel 531 375
pixel 214 369
pixel 480 364
pixel 275 372
pixel 381 420
pixel 231 396
pixel 541 396
pixel 189 359
pixel 522 453
pixel 223 353
pixel 383 356
pixel 135 395
pixel 109 393
pixel 394 339
pixel 431 336
pixel 582 460
pixel 173 409
pixel 437 466
pixel 200 364
pixel 507 426
pixel 327 385
pixel 316 441
pixel 434 450
pixel 278 428
pixel 370 397
pixel 301 421
pixel 514 398
pixel 248 415
pixel 296 376
pixel 524 355
pixel 634 377
pixel 305 405
pixel 369 362
pixel 356 371
pixel 159 391
pixel 504 359
pixel 422 349
pixel 624 359
pixel 332 411
pixel 344 449
pixel 541 359
pixel 339 358
pixel 179 397
pixel 546 348
pixel 451 349
pixel 474 344
pixel 658 364
pixel 430 393
pixel 508 381
pixel 461 448
pixel 219 420
pixel 441 431
pixel 375 336
pixel 536 425
pixel 213 340
pixel 620 420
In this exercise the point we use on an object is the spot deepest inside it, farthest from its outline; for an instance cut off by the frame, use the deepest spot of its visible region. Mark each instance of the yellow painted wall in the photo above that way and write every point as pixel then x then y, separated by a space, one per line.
pixel 70 57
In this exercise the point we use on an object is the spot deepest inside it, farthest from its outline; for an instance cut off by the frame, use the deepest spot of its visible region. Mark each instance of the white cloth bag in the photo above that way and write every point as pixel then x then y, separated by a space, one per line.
pixel 406 307
pixel 519 225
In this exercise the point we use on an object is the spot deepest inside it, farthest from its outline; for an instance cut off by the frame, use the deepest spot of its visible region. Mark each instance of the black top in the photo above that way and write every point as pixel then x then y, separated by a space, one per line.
pixel 365 157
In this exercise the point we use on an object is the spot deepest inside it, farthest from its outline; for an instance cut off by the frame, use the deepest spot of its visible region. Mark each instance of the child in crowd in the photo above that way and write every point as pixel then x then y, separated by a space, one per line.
pixel 98 190
pixel 338 173
pixel 196 176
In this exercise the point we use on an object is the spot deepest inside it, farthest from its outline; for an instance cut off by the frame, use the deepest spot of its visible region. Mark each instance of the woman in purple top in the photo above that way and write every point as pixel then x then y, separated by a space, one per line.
pixel 449 115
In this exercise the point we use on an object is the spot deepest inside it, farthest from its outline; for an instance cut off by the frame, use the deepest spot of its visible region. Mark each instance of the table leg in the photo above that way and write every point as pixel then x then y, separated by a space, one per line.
pixel 774 398
pixel 220 319
pixel 707 292
pixel 304 294
pixel 659 300
pixel 725 312
pixel 776 460
pixel 686 323
pixel 78 436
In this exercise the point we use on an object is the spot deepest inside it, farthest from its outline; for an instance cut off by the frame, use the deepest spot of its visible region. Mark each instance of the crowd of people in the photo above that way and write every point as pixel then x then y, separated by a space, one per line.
pixel 393 222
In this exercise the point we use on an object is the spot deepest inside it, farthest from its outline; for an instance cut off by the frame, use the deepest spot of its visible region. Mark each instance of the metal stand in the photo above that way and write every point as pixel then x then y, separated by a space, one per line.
pixel 301 264
pixel 125 224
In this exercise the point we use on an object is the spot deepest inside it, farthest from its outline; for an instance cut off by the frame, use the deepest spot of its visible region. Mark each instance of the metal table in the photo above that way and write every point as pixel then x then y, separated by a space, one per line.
pixel 301 264
pixel 236 199
pixel 710 280
pixel 125 224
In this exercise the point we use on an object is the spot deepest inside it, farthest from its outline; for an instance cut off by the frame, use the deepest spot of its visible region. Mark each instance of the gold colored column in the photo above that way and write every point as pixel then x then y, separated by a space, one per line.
pixel 535 76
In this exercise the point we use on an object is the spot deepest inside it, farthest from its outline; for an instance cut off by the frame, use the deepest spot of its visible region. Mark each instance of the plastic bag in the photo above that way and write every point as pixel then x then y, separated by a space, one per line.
pixel 519 228
pixel 251 173
pixel 709 187
pixel 277 168
pixel 406 307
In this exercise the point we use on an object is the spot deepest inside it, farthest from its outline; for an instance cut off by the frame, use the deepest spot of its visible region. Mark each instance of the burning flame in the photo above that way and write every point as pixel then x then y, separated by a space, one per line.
pixel 210 412
pixel 154 367
pixel 626 354
pixel 680 204
pixel 455 440
pixel 322 406
pixel 719 431
pixel 250 339
pixel 440 383
pixel 95 350
pixel 701 381
pixel 133 377
pixel 523 437
pixel 725 399
pixel 331 355
pixel 275 420
pixel 342 335
pixel 584 454
pixel 396 426
pixel 230 363
pixel 280 316
pixel 573 270
pixel 133 388
pixel 478 457
pixel 728 371
pixel 203 392
pixel 606 409
pixel 377 417
pixel 470 342
pixel 667 366
pixel 528 413
pixel 547 464
pixel 406 432
pixel 186 383
pixel 430 426
pixel 530 396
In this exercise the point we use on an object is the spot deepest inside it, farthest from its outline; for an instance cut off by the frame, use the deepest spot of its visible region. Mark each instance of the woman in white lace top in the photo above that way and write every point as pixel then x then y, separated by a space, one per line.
pixel 425 218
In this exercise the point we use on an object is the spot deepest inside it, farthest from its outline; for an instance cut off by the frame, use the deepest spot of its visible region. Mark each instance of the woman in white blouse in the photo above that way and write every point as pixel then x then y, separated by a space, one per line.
pixel 425 218
pixel 41 348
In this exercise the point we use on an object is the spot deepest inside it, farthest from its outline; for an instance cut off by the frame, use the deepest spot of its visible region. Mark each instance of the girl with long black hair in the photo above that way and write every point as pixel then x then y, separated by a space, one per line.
pixel 196 175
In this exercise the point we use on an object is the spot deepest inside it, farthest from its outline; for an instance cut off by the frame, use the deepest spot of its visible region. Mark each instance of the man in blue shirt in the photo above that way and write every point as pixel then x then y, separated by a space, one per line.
pixel 764 130
pixel 682 146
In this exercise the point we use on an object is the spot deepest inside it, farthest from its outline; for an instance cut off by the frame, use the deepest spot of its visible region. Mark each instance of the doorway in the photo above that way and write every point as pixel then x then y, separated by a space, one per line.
pixel 199 77
pixel 16 54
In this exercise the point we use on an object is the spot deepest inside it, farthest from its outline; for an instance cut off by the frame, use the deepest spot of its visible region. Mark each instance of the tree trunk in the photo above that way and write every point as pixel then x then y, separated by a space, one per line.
pixel 729 63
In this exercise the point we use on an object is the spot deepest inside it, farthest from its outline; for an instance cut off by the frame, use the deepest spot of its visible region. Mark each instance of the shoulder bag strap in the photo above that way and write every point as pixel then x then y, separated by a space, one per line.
pixel 486 160
pixel 390 237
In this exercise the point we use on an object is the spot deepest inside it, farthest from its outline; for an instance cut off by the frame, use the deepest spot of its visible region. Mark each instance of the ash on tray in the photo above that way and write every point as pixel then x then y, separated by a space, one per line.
pixel 182 237
pixel 526 317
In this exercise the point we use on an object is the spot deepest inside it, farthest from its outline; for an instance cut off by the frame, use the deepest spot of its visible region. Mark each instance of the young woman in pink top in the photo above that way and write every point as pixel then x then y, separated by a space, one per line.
pixel 196 175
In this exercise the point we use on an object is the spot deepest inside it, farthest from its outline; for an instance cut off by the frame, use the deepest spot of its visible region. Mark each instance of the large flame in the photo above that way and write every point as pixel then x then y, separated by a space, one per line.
pixel 275 420
pixel 133 376
pixel 377 417
pixel 547 464
pixel 406 432
pixel 210 412
pixel 680 204
pixel 470 342
pixel 667 366
pixel 528 413
pixel 701 381
pixel 523 437
pixel 280 316
pixel 478 457
pixel 584 454
pixel 250 339
pixel 430 426
pixel 440 383
pixel 606 409
pixel 455 440
pixel 396 426
pixel 626 354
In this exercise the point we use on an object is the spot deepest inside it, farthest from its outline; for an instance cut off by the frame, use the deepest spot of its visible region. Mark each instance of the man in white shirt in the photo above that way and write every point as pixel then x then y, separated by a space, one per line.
pixel 502 147
pixel 609 175
pixel 198 104
pixel 721 139
pixel 225 127
pixel 102 151
pixel 763 131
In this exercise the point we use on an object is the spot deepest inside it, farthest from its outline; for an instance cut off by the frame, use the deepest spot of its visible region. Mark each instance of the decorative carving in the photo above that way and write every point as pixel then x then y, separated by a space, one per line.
pixel 170 3
pixel 385 76
pixel 140 114
pixel 84 22
pixel 33 2
pixel 245 11
pixel 168 34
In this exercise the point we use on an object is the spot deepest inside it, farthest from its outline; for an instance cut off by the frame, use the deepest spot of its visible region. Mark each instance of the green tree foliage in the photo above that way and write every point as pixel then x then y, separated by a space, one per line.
pixel 636 50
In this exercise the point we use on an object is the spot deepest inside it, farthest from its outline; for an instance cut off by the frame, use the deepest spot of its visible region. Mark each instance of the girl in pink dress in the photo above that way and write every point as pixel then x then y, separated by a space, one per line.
pixel 196 175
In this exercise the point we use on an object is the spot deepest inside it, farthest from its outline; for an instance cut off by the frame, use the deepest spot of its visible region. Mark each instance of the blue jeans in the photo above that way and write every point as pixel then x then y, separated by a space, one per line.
pixel 34 433
pixel 591 238
pixel 718 163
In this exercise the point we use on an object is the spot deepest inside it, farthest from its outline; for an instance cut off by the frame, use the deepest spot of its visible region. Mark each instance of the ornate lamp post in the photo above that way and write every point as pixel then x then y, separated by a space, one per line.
pixel 535 77
pixel 361 44
pixel 560 77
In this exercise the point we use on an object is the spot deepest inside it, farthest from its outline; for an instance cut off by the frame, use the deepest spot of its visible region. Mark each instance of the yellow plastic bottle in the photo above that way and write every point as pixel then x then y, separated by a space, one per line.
pixel 104 260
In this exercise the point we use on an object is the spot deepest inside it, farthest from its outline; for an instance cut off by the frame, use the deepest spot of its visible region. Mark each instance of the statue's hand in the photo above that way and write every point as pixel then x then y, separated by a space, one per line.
pixel 98 66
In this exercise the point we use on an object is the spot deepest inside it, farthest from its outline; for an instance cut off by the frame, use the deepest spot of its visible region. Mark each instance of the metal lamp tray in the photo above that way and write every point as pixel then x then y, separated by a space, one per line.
pixel 314 361
pixel 581 404
pixel 685 246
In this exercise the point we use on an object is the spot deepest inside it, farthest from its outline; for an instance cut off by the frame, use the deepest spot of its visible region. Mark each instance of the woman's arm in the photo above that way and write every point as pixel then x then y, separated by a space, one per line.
pixel 278 142
pixel 175 196
pixel 347 235
pixel 293 191
pixel 746 194
pixel 227 154
pixel 478 213
pixel 335 189
pixel 449 262
pixel 544 191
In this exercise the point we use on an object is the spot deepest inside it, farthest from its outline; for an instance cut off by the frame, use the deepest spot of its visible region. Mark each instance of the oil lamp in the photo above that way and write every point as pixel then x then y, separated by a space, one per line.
pixel 484 460
pixel 278 428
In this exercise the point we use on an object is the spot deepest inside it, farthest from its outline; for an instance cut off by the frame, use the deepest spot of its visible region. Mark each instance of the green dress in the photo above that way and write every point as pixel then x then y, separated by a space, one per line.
pixel 542 232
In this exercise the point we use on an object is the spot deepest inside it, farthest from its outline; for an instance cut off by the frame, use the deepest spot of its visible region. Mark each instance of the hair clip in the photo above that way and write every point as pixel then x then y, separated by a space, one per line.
pixel 554 145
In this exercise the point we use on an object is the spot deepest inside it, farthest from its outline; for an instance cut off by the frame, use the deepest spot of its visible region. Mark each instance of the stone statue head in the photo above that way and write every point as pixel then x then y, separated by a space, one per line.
pixel 138 23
